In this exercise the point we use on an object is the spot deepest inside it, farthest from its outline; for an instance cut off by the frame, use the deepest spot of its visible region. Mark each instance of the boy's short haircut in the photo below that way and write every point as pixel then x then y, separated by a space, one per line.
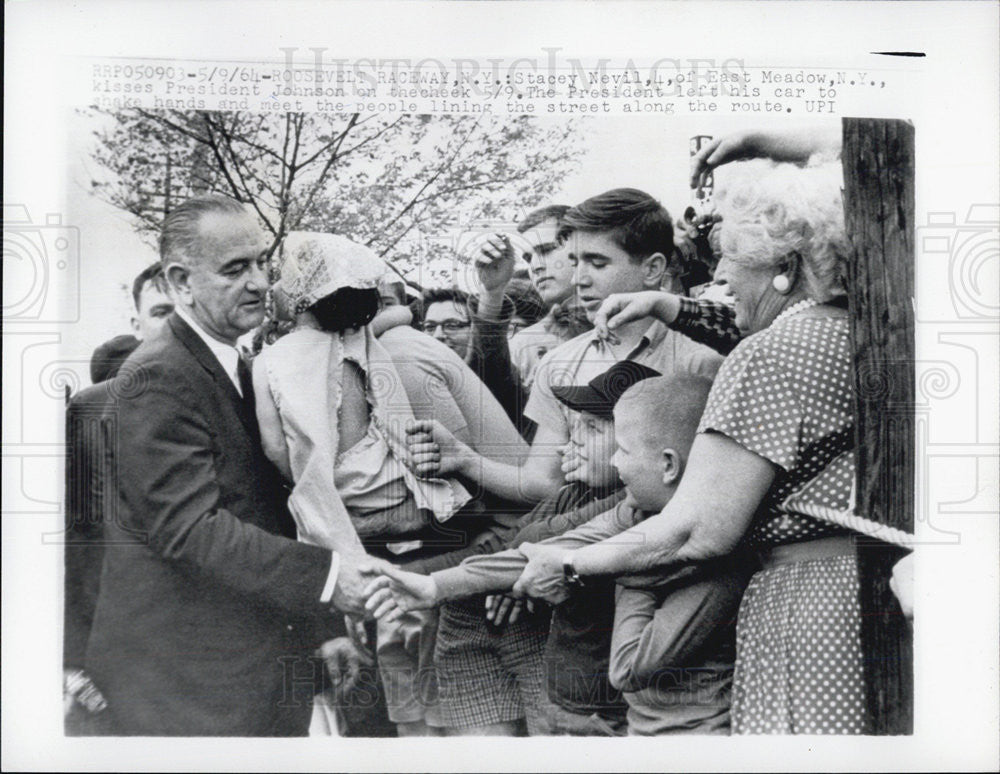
pixel 671 408
pixel 534 218
pixel 443 295
pixel 152 274
pixel 396 289
pixel 636 221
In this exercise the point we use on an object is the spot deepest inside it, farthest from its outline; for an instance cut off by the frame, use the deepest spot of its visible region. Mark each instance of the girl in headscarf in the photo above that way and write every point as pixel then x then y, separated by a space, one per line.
pixel 333 414
pixel 331 407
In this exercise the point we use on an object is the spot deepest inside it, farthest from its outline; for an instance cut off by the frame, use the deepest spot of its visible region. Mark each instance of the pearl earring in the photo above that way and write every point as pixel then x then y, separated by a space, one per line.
pixel 781 284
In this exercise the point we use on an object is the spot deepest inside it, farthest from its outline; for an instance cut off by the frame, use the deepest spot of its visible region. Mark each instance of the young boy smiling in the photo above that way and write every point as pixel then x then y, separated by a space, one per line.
pixel 674 635
pixel 491 678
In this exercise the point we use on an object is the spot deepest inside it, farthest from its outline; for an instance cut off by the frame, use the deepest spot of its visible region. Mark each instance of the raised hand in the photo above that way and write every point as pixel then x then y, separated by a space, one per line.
pixel 721 150
pixel 570 459
pixel 495 263
pixel 542 577
pixel 621 308
pixel 793 145
pixel 397 591
pixel 433 450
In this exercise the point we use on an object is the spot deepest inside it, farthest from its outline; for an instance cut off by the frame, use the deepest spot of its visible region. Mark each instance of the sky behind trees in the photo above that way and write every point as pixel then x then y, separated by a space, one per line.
pixel 646 152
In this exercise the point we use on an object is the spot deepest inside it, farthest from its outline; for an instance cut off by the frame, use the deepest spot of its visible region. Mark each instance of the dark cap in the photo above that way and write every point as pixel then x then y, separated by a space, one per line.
pixel 110 356
pixel 601 393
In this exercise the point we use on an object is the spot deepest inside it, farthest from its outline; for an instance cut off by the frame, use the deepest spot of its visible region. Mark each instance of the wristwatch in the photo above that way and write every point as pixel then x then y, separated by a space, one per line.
pixel 570 575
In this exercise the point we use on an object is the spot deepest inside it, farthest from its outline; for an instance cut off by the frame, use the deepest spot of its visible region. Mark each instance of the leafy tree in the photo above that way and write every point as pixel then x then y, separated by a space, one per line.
pixel 395 183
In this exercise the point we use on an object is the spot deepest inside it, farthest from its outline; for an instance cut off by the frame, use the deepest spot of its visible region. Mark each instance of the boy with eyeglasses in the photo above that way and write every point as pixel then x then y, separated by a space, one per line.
pixel 446 318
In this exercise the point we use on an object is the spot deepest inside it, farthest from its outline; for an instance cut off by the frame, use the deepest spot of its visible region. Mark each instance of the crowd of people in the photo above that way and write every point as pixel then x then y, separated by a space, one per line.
pixel 611 497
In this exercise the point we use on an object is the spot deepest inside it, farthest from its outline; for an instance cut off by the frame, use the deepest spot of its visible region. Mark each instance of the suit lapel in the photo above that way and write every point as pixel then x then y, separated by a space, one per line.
pixel 207 360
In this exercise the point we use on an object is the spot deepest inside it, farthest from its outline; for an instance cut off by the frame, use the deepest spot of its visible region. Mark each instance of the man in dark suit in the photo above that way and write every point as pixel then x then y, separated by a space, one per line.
pixel 209 610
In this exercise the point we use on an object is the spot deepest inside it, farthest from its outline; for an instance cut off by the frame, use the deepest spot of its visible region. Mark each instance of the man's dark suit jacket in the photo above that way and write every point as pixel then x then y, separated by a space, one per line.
pixel 208 609
pixel 90 428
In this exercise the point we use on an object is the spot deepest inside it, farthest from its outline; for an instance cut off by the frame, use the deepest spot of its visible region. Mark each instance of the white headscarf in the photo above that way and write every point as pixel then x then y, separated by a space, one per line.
pixel 315 265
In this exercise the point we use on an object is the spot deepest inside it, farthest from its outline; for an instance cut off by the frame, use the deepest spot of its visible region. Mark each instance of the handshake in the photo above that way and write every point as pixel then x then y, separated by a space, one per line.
pixel 389 591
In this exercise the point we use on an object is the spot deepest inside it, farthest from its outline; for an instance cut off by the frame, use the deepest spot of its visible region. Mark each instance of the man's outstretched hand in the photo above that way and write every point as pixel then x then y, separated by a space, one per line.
pixel 354 575
pixel 620 308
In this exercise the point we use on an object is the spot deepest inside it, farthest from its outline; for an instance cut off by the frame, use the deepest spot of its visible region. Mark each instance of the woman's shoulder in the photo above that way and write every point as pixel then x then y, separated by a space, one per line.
pixel 300 349
pixel 296 339
pixel 798 334
pixel 811 341
pixel 801 345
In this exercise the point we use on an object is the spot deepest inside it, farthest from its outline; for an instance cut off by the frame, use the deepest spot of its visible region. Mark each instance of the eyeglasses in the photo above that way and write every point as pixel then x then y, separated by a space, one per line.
pixel 514 326
pixel 448 326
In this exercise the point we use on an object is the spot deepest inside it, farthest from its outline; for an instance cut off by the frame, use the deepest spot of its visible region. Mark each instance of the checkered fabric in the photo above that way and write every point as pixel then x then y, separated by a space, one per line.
pixel 488 674
pixel 708 322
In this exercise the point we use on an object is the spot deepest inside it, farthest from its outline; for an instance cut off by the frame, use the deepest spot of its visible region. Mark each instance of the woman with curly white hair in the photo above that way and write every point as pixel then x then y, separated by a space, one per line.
pixel 773 464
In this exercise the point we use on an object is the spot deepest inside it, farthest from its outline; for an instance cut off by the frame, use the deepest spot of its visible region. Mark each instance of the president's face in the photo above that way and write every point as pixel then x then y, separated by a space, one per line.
pixel 227 280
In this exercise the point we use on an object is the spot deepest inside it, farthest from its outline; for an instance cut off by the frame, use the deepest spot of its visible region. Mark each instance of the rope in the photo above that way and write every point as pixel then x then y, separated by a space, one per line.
pixel 857 523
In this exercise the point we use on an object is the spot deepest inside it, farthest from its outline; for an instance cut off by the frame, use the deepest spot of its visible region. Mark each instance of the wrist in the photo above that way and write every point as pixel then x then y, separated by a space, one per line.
pixel 449 584
pixel 494 293
pixel 465 459
pixel 581 563
pixel 668 307
pixel 571 575
pixel 491 305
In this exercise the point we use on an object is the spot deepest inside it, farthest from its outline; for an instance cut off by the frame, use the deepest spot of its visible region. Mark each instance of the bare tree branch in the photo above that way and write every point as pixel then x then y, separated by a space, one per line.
pixel 334 155
pixel 247 195
pixel 440 170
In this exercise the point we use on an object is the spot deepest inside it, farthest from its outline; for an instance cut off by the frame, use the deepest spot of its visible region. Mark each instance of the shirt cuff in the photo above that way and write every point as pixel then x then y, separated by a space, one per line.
pixel 331 579
pixel 687 313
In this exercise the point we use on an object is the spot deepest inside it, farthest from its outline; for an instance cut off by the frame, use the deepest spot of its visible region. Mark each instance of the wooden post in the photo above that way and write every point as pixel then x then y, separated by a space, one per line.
pixel 878 164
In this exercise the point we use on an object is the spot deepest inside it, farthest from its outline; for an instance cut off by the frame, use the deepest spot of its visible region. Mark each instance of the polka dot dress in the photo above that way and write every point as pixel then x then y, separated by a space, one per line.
pixel 798 651
pixel 780 394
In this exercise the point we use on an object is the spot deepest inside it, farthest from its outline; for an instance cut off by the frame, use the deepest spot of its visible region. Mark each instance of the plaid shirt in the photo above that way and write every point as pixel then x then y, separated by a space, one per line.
pixel 708 322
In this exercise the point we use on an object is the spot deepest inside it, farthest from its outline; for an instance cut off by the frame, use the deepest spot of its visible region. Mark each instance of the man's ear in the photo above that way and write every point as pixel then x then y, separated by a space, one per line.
pixel 135 325
pixel 673 467
pixel 179 278
pixel 653 269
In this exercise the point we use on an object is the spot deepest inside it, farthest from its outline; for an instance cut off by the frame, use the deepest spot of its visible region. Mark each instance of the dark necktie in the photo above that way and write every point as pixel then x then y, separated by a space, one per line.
pixel 246 385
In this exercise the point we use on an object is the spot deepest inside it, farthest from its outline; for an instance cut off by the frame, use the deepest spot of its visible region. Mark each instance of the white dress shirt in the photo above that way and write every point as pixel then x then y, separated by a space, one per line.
pixel 227 355
pixel 229 358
